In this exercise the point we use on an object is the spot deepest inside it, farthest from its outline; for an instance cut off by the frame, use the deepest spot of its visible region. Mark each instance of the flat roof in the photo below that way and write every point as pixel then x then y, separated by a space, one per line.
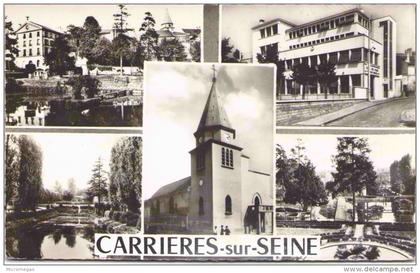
pixel 327 18
pixel 261 25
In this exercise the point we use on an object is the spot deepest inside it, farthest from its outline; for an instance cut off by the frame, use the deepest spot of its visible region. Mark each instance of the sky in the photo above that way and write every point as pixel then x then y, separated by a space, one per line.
pixel 58 17
pixel 175 96
pixel 237 20
pixel 68 156
pixel 319 148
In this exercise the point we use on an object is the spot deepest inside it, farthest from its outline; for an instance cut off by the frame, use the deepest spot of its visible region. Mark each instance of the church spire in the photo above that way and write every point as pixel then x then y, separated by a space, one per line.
pixel 214 114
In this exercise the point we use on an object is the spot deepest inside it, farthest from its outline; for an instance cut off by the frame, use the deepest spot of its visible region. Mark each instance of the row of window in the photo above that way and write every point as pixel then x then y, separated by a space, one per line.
pixel 269 31
pixel 323 26
pixel 341 83
pixel 323 40
pixel 339 57
pixel 228 205
pixel 38 34
pixel 46 42
pixel 26 53
pixel 227 157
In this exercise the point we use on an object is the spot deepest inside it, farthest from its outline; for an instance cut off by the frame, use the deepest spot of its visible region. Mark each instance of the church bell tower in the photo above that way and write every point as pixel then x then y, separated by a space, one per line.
pixel 215 168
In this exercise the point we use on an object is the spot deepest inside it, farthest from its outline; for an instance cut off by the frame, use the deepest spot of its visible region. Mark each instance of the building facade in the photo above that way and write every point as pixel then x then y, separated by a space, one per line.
pixel 222 190
pixel 185 36
pixel 34 43
pixel 363 51
pixel 406 72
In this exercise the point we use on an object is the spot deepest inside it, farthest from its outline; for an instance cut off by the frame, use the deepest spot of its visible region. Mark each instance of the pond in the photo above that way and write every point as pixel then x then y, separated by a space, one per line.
pixel 58 111
pixel 52 240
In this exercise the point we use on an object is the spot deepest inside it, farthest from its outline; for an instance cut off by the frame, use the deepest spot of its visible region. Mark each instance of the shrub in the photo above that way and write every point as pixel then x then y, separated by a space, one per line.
pixel 84 82
pixel 132 218
pixel 116 216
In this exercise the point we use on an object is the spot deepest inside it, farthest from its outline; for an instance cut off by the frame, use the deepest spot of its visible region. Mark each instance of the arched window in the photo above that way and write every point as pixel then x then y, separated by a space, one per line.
pixel 200 206
pixel 257 201
pixel 228 205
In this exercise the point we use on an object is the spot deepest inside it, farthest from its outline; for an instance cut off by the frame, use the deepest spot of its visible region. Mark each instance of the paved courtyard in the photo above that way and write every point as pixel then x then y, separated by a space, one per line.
pixel 382 115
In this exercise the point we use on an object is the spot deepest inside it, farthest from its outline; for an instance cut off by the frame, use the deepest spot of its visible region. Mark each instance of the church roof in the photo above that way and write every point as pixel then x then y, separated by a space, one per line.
pixel 167 18
pixel 214 113
pixel 173 187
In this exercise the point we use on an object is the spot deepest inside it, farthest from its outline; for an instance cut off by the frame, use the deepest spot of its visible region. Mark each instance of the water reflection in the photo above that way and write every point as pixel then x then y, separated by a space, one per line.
pixel 28 111
pixel 48 241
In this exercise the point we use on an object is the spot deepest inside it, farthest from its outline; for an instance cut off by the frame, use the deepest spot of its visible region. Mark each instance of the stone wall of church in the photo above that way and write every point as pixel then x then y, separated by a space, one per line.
pixel 201 222
pixel 227 181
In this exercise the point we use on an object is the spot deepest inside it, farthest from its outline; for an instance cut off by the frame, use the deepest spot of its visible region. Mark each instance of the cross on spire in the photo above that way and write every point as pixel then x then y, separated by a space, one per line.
pixel 214 73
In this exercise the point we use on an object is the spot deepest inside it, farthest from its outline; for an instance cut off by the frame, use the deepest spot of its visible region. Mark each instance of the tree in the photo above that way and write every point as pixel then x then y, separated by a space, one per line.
pixel 12 167
pixel 11 49
pixel 102 53
pixel 272 56
pixel 283 172
pixel 354 169
pixel 98 182
pixel 121 42
pixel 297 178
pixel 195 51
pixel 125 174
pixel 75 36
pixel 121 47
pixel 29 184
pixel 401 175
pixel 58 58
pixel 86 83
pixel 148 38
pixel 58 189
pixel 67 195
pixel 229 54
pixel 325 74
pixel 71 186
pixel 395 178
pixel 406 172
pixel 171 50
pixel 91 34
pixel 304 75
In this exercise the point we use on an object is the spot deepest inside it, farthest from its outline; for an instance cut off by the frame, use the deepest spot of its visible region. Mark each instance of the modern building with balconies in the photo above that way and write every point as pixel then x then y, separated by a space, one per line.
pixel 362 48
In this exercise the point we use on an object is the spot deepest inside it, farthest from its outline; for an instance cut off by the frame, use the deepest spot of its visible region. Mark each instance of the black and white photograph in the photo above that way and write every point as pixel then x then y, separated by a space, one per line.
pixel 82 65
pixel 356 192
pixel 61 189
pixel 208 154
pixel 337 65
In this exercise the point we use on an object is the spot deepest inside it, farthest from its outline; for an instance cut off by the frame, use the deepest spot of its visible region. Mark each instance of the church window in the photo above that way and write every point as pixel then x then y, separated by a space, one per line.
pixel 200 206
pixel 227 157
pixel 228 205
pixel 200 161
pixel 223 157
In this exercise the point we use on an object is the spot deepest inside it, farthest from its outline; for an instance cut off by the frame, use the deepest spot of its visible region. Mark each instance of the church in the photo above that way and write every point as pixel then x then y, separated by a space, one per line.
pixel 223 190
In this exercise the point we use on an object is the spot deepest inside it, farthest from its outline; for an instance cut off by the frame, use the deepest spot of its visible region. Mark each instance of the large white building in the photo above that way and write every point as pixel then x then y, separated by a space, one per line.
pixel 363 49
pixel 34 43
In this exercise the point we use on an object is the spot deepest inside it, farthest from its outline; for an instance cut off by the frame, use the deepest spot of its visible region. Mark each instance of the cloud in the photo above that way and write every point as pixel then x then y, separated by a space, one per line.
pixel 244 105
